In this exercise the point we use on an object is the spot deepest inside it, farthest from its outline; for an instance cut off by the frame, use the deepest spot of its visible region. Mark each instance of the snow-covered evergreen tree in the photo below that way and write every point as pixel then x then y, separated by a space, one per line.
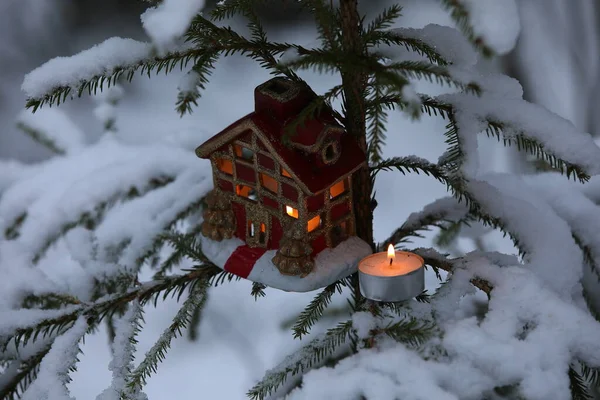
pixel 499 325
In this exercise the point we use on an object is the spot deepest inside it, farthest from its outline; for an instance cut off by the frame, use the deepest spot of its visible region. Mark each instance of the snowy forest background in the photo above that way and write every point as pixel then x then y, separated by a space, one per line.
pixel 556 58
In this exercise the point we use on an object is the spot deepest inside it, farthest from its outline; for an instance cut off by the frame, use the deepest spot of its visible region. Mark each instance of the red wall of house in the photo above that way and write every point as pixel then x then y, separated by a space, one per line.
pixel 240 220
pixel 318 244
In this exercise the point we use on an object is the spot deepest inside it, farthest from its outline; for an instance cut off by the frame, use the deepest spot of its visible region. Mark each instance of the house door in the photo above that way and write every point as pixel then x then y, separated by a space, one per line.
pixel 257 226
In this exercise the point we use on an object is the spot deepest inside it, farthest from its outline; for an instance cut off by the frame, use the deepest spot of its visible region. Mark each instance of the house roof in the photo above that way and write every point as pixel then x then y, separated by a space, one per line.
pixel 309 177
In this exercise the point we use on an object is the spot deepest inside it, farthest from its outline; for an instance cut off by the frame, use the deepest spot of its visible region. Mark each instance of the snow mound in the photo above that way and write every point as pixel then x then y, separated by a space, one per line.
pixel 330 264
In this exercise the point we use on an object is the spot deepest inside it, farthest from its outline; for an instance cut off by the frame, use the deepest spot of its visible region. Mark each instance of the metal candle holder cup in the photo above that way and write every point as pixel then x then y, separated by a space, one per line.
pixel 392 277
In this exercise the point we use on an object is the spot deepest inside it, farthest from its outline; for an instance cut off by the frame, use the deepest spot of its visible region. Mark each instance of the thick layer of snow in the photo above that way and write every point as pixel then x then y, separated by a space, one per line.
pixel 495 21
pixel 106 172
pixel 481 354
pixel 502 103
pixel 98 60
pixel 52 379
pixel 551 250
pixel 330 264
pixel 54 125
pixel 447 41
pixel 169 20
pixel 123 353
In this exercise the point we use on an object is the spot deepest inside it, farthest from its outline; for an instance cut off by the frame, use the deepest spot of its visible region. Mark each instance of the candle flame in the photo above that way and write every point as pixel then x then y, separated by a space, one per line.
pixel 391 253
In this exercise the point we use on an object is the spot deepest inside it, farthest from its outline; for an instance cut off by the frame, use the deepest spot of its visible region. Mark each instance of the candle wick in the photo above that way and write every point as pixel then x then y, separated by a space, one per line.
pixel 391 260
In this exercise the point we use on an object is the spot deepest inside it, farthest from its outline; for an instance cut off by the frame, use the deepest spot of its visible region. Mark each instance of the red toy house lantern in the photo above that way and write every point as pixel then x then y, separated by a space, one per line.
pixel 264 188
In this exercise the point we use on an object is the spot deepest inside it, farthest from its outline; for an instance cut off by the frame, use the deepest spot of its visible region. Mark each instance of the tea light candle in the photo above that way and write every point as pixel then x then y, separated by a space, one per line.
pixel 392 276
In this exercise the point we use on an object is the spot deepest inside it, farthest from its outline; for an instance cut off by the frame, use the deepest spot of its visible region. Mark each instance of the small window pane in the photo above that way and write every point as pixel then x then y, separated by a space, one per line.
pixel 285 173
pixel 314 223
pixel 338 189
pixel 262 235
pixel 243 152
pixel 269 183
pixel 245 191
pixel 225 165
pixel 291 211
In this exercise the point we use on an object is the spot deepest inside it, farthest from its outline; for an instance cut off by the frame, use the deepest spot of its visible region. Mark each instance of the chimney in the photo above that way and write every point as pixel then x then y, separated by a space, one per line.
pixel 282 98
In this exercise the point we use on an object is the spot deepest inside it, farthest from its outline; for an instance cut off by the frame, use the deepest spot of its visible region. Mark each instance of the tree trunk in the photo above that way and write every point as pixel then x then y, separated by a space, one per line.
pixel 354 82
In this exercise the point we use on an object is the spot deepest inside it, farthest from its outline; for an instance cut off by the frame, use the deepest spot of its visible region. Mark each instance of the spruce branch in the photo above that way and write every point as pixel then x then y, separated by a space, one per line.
pixel 381 22
pixel 588 255
pixel 532 146
pixel 184 245
pixel 105 306
pixel 411 331
pixel 392 37
pixel 310 356
pixel 42 138
pixel 160 239
pixel 91 218
pixel 502 130
pixel 432 73
pixel 199 74
pixel 314 310
pixel 578 386
pixel 439 219
pixel 461 16
pixel 591 375
pixel 327 20
pixel 61 359
pixel 411 164
pixel 19 374
pixel 91 85
pixel 123 349
pixel 258 290
pixel 377 123
pixel 149 365
pixel 440 261
pixel 12 231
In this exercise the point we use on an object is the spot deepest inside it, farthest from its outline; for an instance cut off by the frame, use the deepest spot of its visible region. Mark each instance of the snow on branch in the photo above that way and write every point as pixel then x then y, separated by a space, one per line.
pixel 514 121
pixel 121 365
pixel 526 339
pixel 553 256
pixel 311 356
pixel 90 70
pixel 196 300
pixel 441 45
pixel 53 375
pixel 582 215
pixel 168 21
pixel 24 325
pixel 53 129
pixel 112 180
pixel 435 214
pixel 492 26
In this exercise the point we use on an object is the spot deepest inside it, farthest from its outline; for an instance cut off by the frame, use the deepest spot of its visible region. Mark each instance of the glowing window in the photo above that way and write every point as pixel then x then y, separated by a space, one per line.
pixel 292 212
pixel 337 189
pixel 314 223
pixel 225 165
pixel 250 229
pixel 285 173
pixel 262 236
pixel 245 191
pixel 269 183
pixel 243 152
